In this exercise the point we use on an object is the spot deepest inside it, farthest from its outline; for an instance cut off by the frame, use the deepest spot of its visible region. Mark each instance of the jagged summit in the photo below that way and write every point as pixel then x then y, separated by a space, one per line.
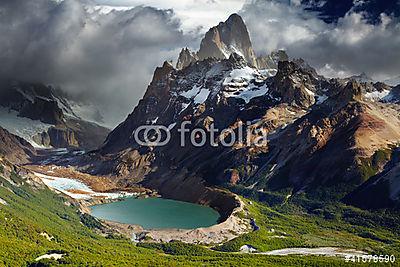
pixel 221 41
pixel 186 57
pixel 228 37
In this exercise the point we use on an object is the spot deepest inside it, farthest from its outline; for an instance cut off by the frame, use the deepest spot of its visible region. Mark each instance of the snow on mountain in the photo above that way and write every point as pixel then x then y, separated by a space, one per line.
pixel 77 189
pixel 87 112
pixel 241 84
pixel 376 95
pixel 393 81
pixel 22 127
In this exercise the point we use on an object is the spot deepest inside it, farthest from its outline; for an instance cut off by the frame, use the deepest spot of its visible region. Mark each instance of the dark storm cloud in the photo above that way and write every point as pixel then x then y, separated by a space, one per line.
pixel 105 58
pixel 350 46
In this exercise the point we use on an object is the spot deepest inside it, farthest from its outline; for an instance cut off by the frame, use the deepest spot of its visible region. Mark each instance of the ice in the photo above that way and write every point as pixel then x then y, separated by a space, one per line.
pixel 197 93
pixel 240 76
pixel 22 127
pixel 202 96
pixel 66 185
pixel 239 84
pixel 376 95
pixel 191 93
pixel 321 99
pixel 247 95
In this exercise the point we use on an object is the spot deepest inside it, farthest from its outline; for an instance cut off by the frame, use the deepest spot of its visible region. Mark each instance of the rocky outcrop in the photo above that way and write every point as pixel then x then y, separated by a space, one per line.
pixel 43 110
pixel 228 37
pixel 32 100
pixel 14 148
pixel 186 57
pixel 293 84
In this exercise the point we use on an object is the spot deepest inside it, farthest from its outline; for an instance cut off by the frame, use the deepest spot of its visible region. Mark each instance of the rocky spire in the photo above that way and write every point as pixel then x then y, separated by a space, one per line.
pixel 186 57
pixel 226 38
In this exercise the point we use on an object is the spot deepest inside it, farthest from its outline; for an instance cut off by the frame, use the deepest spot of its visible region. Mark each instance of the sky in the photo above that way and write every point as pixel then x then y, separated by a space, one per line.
pixel 192 13
pixel 104 52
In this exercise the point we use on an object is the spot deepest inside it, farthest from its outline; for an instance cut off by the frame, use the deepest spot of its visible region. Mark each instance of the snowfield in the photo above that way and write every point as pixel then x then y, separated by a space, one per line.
pixel 198 94
pixel 239 84
pixel 76 189
pixel 22 127
pixel 55 256
pixel 376 96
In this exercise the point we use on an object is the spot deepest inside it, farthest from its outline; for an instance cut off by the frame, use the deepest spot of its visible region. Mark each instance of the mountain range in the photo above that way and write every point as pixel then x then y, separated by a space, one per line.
pixel 321 133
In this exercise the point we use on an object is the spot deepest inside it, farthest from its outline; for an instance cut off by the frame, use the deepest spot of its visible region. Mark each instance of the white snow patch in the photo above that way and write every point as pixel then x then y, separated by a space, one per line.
pixel 321 99
pixel 47 236
pixel 65 185
pixel 238 84
pixel 191 93
pixel 202 96
pixel 239 77
pixel 22 127
pixel 376 95
pixel 55 256
pixel 269 72
pixel 248 94
pixel 184 107
pixel 247 249
pixel 3 202
pixel 198 94
pixel 311 93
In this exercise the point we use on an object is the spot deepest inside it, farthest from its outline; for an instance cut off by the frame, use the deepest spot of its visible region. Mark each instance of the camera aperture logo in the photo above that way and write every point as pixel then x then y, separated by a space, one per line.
pixel 160 135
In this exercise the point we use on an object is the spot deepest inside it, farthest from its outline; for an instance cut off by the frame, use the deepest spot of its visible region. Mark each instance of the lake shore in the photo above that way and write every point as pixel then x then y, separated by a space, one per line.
pixel 230 227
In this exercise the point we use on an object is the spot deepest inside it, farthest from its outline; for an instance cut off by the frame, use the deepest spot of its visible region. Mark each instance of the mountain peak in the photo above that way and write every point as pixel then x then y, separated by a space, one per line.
pixel 228 37
pixel 161 72
pixel 186 57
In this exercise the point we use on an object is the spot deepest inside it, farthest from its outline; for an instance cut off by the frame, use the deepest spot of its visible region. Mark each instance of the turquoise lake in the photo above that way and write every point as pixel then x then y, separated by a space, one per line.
pixel 157 213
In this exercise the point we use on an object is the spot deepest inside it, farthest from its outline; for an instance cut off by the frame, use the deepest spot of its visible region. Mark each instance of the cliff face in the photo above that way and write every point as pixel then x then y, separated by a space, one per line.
pixel 228 37
pixel 14 148
pixel 186 57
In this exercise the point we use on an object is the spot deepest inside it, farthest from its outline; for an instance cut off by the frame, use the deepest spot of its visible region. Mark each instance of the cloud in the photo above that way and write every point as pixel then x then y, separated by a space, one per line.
pixel 192 13
pixel 107 59
pixel 350 46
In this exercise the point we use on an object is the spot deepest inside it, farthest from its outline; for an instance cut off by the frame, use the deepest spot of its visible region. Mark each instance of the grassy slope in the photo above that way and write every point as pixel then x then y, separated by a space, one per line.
pixel 30 212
